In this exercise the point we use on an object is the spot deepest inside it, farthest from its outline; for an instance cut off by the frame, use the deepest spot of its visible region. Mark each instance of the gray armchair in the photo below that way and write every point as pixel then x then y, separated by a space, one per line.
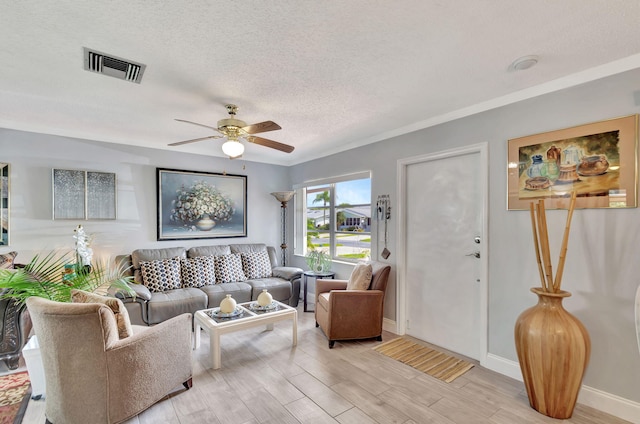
pixel 93 376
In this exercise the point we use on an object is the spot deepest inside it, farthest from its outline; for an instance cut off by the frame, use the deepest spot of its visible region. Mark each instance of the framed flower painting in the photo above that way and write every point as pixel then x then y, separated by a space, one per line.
pixel 201 205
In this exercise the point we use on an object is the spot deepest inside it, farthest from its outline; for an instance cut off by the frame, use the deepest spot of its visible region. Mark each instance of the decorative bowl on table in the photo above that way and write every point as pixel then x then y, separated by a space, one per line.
pixel 216 313
pixel 255 306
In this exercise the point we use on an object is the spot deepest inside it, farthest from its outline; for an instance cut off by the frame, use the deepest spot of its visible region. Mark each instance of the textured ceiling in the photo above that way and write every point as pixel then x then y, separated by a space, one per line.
pixel 333 74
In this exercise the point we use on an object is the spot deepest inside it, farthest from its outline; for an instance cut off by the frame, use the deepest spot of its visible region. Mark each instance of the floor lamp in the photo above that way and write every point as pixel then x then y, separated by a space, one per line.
pixel 283 197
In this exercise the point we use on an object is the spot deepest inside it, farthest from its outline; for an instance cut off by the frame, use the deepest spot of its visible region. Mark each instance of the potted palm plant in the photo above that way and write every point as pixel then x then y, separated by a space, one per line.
pixel 55 274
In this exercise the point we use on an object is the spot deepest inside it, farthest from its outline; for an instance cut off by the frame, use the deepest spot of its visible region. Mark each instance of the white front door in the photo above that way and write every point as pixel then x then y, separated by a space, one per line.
pixel 443 235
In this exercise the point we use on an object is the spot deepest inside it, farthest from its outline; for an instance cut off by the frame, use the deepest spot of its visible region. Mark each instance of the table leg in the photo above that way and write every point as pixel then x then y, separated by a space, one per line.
pixel 215 349
pixel 304 283
pixel 196 336
pixel 294 336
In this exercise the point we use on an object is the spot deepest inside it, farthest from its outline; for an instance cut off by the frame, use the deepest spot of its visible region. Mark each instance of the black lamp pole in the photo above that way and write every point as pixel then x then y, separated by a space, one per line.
pixel 283 197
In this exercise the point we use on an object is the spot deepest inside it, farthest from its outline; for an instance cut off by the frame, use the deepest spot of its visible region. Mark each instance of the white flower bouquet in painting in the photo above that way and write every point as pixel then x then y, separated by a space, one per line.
pixel 201 206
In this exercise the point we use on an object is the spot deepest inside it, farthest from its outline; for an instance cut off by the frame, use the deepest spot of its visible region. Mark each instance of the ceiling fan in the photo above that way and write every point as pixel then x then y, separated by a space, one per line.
pixel 235 131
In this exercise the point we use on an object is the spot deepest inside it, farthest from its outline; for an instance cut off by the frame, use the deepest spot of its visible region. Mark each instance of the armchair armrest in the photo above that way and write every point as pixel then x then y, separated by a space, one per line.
pixel 142 292
pixel 323 286
pixel 168 332
pixel 286 272
pixel 160 354
pixel 364 298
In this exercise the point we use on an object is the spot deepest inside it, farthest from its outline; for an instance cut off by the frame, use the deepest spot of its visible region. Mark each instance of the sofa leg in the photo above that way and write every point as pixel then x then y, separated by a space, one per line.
pixel 317 325
pixel 331 343
pixel 13 362
pixel 379 338
pixel 188 384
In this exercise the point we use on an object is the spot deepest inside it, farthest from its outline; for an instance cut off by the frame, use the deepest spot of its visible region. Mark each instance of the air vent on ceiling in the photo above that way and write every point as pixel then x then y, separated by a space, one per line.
pixel 113 66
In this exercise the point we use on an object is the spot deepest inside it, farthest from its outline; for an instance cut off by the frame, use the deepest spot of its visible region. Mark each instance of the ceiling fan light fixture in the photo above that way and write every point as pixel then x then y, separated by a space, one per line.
pixel 233 148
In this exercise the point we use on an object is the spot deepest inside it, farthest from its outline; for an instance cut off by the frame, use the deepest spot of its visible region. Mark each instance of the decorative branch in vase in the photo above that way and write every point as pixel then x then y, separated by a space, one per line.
pixel 553 346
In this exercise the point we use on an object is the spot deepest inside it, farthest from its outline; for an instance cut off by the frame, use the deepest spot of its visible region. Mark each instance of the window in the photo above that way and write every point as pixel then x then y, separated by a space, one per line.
pixel 335 216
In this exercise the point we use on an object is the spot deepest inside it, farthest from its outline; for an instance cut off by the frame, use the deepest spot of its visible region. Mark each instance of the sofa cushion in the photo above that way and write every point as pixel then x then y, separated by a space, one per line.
pixel 360 277
pixel 323 300
pixel 248 247
pixel 161 275
pixel 6 260
pixel 256 264
pixel 198 271
pixel 116 305
pixel 241 292
pixel 229 269
pixel 280 289
pixel 208 251
pixel 171 303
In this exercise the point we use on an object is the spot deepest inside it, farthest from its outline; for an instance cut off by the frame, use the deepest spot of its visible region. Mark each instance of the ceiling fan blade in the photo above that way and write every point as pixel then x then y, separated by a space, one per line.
pixel 178 143
pixel 200 125
pixel 261 127
pixel 270 143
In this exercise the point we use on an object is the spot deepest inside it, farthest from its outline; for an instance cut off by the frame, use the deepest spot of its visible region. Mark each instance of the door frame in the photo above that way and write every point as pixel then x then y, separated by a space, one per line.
pixel 401 272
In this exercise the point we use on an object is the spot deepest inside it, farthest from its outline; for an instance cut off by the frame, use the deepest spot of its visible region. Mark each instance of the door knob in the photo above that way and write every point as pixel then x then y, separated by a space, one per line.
pixel 474 254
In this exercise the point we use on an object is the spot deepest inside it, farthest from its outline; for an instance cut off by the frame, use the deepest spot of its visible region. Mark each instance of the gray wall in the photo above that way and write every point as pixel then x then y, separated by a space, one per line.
pixel 602 262
pixel 32 156
pixel 601 269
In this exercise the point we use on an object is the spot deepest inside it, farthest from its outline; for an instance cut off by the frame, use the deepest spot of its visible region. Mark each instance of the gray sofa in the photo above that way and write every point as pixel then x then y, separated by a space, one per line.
pixel 151 307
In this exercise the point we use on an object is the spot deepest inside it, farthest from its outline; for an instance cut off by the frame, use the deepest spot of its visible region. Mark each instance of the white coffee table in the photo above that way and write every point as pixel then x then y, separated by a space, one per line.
pixel 217 326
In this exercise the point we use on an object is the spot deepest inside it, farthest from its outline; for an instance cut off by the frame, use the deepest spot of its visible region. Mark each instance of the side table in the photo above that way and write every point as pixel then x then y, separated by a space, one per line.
pixel 316 275
pixel 33 361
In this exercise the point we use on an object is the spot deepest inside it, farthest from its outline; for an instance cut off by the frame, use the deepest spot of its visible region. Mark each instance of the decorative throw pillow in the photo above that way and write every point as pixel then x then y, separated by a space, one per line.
pixel 256 264
pixel 360 277
pixel 198 271
pixel 6 260
pixel 229 269
pixel 161 275
pixel 116 305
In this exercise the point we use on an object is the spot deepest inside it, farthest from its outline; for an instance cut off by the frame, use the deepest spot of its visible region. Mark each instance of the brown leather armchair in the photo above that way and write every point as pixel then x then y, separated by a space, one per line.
pixel 352 314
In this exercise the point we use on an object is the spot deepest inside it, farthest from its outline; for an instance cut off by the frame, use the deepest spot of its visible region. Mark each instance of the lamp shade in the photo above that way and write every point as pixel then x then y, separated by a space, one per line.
pixel 283 196
pixel 233 148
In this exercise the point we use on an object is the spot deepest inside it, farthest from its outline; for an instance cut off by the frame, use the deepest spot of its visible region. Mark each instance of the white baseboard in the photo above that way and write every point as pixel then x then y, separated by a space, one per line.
pixel 602 401
pixel 389 325
pixel 503 366
pixel 611 404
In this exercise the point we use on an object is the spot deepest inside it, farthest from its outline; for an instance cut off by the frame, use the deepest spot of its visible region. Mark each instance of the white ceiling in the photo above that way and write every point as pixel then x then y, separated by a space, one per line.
pixel 334 74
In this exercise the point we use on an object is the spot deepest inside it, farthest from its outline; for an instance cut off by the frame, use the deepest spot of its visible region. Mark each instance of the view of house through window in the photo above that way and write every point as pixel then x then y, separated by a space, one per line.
pixel 338 219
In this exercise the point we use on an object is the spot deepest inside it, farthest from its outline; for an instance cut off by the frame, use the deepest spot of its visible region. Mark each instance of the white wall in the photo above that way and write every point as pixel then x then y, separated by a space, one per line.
pixel 32 156
pixel 602 265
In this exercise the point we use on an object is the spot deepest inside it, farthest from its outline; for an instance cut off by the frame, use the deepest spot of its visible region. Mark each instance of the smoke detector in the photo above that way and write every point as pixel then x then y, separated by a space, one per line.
pixel 524 62
pixel 113 66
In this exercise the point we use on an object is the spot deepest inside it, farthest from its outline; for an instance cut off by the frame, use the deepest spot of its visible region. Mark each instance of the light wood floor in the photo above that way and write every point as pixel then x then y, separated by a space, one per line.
pixel 264 380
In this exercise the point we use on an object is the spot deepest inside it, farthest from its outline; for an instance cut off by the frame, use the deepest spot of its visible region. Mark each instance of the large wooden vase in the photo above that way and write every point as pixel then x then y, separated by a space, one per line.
pixel 553 349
